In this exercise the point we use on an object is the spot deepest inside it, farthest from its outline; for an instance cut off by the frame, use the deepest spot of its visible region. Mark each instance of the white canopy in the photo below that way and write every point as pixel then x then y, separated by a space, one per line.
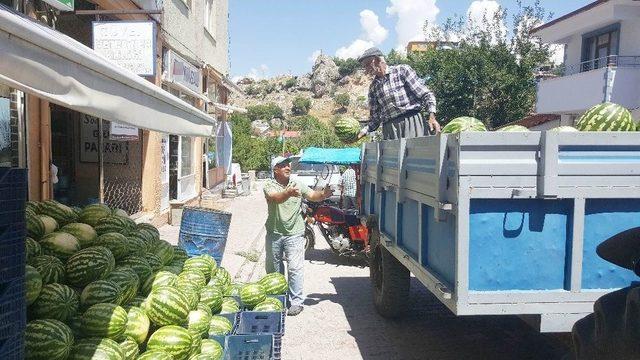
pixel 41 61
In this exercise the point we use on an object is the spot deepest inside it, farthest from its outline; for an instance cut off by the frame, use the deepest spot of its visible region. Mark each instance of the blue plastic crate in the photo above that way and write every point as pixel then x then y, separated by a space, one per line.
pixel 258 322
pixel 12 348
pixel 204 231
pixel 13 184
pixel 13 318
pixel 249 347
pixel 12 251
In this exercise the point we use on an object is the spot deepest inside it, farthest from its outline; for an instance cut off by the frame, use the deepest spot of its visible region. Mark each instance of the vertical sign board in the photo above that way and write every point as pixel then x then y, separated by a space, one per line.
pixel 115 152
pixel 130 44
pixel 164 170
pixel 63 5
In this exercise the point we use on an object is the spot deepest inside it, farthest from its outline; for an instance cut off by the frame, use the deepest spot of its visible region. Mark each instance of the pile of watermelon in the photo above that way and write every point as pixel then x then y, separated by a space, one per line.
pixel 100 286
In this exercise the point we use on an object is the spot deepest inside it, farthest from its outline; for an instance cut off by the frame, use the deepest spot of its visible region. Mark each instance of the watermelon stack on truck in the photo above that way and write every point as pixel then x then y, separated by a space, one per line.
pixel 503 222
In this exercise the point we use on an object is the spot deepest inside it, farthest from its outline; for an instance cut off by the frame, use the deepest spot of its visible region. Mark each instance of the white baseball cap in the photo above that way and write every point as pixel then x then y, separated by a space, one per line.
pixel 279 160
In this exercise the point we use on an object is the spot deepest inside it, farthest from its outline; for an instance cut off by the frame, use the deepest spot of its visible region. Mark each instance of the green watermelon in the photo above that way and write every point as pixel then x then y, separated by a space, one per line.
pixel 204 307
pixel 150 228
pixel 50 268
pixel 172 269
pixel 105 320
pixel 136 245
pixel 137 324
pixel 128 281
pixel 196 343
pixel 50 224
pixel 60 245
pixel 269 306
pixel 212 297
pixel 229 306
pixel 35 226
pixel 198 323
pixel 274 284
pixel 32 206
pixel 84 233
pixel 155 355
pixel 219 325
pixel 89 264
pixel 113 224
pixel 77 210
pixel 463 123
pixel 139 264
pixel 33 284
pixel 164 251
pixel 119 212
pixel 252 294
pixel 206 264
pixel 91 214
pixel 158 279
pixel 32 248
pixel 47 339
pixel 211 348
pixel 564 129
pixel 191 292
pixel 75 323
pixel 137 301
pixel 347 129
pixel 93 349
pixel 115 242
pixel 194 276
pixel 180 254
pixel 606 117
pixel 154 261
pixel 513 128
pixel 61 213
pixel 234 289
pixel 167 306
pixel 100 291
pixel 174 340
pixel 129 348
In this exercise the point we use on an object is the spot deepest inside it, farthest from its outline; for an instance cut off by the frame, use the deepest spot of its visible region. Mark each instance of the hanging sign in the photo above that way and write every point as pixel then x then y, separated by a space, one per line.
pixel 123 132
pixel 130 44
pixel 64 5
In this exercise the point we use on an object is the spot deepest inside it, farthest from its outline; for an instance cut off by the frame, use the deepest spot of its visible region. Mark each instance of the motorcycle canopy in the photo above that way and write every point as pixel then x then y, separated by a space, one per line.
pixel 344 156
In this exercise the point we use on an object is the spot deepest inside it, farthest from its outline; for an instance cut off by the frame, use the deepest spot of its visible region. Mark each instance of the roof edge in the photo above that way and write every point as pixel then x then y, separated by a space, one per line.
pixel 569 15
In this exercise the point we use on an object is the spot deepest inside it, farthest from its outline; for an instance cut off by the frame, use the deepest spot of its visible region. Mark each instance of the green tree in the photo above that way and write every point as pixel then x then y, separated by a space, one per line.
pixel 290 82
pixel 346 66
pixel 301 105
pixel 342 100
pixel 264 112
pixel 252 153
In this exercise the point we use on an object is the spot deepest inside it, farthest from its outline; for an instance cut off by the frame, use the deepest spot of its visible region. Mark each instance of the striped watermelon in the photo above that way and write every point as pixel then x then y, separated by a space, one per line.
pixel 463 123
pixel 164 251
pixel 212 297
pixel 211 348
pixel 137 324
pixel 154 261
pixel 180 254
pixel 85 234
pixel 196 343
pixel 606 117
pixel 75 323
pixel 136 245
pixel 191 291
pixel 252 294
pixel 219 325
pixel 128 281
pixel 274 284
pixel 32 206
pixel 223 275
pixel 269 306
pixel 91 214
pixel 174 340
pixel 206 264
pixel 129 348
pixel 119 212
pixel 513 128
pixel 90 264
pixel 50 268
pixel 172 269
pixel 229 306
pixel 194 276
pixel 161 278
pixel 77 210
pixel 60 245
pixel 32 248
pixel 29 212
pixel 93 349
pixel 564 129
pixel 100 291
pixel 150 228
pixel 50 224
pixel 105 320
pixel 204 307
pixel 155 355
pixel 113 223
pixel 139 264
pixel 60 212
pixel 35 226
pixel 33 284
pixel 115 242
pixel 198 323
pixel 137 302
pixel 167 306
pixel 47 339
pixel 347 129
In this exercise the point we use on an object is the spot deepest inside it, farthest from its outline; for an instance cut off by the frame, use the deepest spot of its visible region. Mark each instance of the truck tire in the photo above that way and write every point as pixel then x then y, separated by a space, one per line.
pixel 390 280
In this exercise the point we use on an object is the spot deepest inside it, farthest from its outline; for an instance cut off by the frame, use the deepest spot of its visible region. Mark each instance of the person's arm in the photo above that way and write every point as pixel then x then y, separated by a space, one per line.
pixel 375 116
pixel 315 195
pixel 422 92
pixel 278 197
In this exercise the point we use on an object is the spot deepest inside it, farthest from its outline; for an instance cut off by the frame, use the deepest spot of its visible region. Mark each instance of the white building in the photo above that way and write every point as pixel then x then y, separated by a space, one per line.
pixel 601 62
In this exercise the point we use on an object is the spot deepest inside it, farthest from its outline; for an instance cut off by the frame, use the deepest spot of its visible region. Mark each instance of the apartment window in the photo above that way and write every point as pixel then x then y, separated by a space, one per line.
pixel 599 47
pixel 210 17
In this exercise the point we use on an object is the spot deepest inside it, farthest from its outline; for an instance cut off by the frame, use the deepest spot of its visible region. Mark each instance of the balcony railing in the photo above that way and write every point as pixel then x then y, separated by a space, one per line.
pixel 593 64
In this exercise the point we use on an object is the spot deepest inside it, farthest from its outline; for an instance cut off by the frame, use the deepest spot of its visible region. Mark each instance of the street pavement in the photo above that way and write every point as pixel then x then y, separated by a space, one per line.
pixel 340 322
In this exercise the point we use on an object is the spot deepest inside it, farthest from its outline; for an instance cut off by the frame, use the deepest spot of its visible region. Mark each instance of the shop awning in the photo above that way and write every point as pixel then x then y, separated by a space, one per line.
pixel 51 65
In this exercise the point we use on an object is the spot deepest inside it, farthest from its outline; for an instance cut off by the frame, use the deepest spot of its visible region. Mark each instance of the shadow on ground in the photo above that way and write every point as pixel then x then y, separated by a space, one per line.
pixel 430 331
pixel 328 257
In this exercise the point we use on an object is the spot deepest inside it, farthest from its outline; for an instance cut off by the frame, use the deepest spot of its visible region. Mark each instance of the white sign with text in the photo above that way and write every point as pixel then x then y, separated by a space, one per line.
pixel 115 152
pixel 130 44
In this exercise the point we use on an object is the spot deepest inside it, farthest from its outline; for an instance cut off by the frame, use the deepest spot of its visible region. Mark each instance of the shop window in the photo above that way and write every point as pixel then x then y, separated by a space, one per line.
pixel 5 131
pixel 186 156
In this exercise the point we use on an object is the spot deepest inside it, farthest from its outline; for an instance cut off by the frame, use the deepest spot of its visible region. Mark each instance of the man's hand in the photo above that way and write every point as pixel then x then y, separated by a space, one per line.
pixel 362 133
pixel 433 124
pixel 327 192
pixel 292 192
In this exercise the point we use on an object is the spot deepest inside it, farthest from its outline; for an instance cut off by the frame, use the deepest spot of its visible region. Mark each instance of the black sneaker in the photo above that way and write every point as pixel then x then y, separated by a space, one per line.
pixel 295 310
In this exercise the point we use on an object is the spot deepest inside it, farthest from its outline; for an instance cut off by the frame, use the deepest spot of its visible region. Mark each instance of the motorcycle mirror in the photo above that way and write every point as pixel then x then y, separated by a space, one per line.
pixel 325 172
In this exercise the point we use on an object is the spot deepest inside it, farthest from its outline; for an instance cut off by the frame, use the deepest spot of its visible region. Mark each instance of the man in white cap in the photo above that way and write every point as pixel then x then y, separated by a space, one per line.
pixel 285 227
pixel 397 99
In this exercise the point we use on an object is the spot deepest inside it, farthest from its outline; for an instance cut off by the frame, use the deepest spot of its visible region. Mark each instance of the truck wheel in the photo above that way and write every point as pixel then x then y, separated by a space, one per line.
pixel 390 280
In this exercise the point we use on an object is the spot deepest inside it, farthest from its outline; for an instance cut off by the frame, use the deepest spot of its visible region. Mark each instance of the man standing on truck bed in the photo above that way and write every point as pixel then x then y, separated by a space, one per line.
pixel 397 98
pixel 285 227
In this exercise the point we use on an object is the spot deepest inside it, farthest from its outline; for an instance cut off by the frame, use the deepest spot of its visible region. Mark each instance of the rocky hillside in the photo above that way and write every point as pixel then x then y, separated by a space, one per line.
pixel 321 85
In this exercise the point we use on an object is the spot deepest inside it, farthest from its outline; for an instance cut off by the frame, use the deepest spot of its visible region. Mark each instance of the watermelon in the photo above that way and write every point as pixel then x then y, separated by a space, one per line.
pixel 77 210
pixel 164 251
pixel 155 355
pixel 128 281
pixel 115 242
pixel 32 248
pixel 564 129
pixel 212 297
pixel 105 320
pixel 172 269
pixel 90 264
pixel 158 279
pixel 191 292
pixel 463 123
pixel 211 348
pixel 139 264
pixel 150 228
pixel 194 276
pixel 606 117
pixel 61 213
pixel 174 340
pixel 167 306
pixel 198 323
pixel 129 348
pixel 35 226
pixel 60 245
pixel 154 261
pixel 113 224
pixel 252 294
pixel 47 339
pixel 196 343
pixel 100 291
pixel 136 245
pixel 50 224
pixel 33 284
pixel 268 306
pixel 90 349
pixel 206 264
pixel 234 289
pixel 347 129
pixel 32 206
pixel 85 234
pixel 91 214
pixel 180 254
pixel 137 301
pixel 119 212
pixel 204 307
pixel 513 128
pixel 274 284
pixel 137 324
pixel 50 268
pixel 75 323
pixel 219 325
pixel 229 306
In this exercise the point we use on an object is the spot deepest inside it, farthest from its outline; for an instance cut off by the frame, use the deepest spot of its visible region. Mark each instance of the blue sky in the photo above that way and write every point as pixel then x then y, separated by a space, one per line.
pixel 275 37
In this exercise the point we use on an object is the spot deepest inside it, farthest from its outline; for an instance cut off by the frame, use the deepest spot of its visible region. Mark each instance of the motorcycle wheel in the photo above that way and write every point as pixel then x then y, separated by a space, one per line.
pixel 309 239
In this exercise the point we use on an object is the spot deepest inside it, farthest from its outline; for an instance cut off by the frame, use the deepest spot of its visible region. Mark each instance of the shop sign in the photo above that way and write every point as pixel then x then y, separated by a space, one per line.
pixel 130 44
pixel 115 152
pixel 64 5
pixel 164 169
pixel 182 72
pixel 123 132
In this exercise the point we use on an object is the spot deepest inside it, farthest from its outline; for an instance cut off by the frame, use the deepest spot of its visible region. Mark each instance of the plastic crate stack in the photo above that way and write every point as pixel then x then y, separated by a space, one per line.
pixel 13 196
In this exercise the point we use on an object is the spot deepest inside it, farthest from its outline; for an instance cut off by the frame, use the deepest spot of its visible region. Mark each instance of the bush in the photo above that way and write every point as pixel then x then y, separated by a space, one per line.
pixel 346 66
pixel 267 87
pixel 301 105
pixel 252 90
pixel 290 82
pixel 342 100
pixel 264 112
